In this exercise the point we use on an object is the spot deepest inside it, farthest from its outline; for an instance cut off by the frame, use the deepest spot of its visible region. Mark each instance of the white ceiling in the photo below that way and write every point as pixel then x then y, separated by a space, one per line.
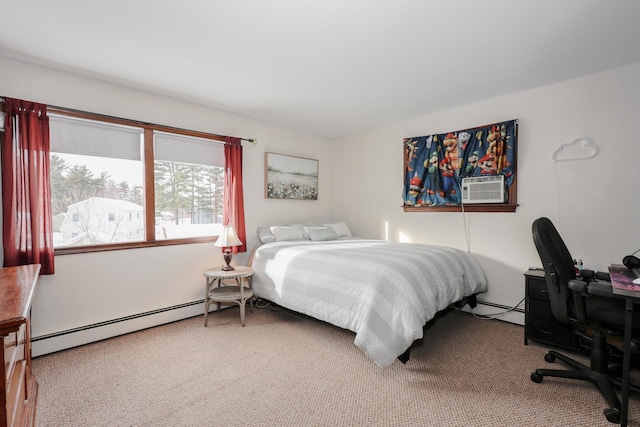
pixel 327 67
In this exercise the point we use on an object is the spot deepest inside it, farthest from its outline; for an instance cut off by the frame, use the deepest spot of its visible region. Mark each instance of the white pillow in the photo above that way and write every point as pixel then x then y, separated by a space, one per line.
pixel 321 233
pixel 340 228
pixel 265 235
pixel 287 233
pixel 302 225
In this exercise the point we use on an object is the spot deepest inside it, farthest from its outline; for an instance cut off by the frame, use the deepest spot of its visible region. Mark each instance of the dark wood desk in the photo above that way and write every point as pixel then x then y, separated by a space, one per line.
pixel 621 282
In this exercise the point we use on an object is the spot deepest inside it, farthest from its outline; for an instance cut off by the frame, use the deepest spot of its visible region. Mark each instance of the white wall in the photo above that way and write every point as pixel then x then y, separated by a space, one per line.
pixel 98 287
pixel 594 203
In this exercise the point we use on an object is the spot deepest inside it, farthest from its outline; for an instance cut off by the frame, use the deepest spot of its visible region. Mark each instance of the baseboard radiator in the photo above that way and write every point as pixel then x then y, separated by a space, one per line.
pixel 62 340
pixel 58 341
pixel 487 308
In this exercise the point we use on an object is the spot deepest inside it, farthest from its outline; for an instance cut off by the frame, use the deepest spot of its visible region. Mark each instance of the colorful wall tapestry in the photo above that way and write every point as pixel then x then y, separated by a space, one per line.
pixel 434 165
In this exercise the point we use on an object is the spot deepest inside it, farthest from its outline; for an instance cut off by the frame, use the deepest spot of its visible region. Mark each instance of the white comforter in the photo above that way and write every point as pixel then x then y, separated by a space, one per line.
pixel 383 291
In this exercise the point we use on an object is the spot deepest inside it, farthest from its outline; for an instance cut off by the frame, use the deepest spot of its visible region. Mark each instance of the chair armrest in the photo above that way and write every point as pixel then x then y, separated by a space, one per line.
pixel 603 289
pixel 600 289
pixel 579 290
pixel 578 286
pixel 582 290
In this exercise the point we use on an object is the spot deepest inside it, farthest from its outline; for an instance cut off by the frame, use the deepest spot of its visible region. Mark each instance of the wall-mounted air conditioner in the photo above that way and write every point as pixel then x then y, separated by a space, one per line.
pixel 483 189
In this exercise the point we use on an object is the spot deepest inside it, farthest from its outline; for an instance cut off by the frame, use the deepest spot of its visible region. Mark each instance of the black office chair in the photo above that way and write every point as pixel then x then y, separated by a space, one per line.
pixel 591 306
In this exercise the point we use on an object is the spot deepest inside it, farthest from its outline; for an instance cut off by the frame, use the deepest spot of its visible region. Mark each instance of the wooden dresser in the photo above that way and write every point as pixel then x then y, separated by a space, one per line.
pixel 18 388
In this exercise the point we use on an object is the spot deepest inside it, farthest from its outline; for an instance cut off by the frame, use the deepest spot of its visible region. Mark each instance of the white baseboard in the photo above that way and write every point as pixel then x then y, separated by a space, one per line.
pixel 63 340
pixel 488 308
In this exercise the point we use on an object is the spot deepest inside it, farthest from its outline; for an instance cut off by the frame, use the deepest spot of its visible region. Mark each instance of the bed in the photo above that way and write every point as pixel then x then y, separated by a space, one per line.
pixel 383 291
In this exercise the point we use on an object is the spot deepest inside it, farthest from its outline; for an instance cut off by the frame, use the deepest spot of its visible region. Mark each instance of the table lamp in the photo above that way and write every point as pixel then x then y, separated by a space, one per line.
pixel 226 239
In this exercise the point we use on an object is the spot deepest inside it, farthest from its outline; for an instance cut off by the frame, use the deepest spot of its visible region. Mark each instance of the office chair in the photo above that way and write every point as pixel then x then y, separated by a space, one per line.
pixel 590 306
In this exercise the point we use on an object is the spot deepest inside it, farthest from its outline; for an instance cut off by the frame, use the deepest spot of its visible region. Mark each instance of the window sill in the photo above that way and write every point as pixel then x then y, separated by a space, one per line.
pixel 132 245
pixel 502 207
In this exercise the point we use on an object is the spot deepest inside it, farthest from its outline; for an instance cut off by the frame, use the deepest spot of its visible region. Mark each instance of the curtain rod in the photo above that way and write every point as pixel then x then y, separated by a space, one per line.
pixel 71 110
pixel 461 130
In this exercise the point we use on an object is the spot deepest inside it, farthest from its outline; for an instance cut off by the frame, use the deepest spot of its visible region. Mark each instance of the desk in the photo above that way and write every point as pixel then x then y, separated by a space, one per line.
pixel 621 282
pixel 231 294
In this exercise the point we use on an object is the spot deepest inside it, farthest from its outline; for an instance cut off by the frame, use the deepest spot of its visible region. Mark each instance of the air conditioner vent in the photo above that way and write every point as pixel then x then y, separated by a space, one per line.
pixel 483 189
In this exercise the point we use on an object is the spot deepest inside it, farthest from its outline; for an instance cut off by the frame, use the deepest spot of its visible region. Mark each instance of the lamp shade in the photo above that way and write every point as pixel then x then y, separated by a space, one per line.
pixel 228 237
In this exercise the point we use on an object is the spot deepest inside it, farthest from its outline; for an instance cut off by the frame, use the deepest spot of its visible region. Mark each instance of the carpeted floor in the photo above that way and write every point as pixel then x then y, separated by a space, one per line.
pixel 285 369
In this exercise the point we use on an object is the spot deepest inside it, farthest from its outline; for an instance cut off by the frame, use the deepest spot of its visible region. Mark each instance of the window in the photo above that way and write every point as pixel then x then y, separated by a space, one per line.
pixel 117 184
pixel 189 180
pixel 96 180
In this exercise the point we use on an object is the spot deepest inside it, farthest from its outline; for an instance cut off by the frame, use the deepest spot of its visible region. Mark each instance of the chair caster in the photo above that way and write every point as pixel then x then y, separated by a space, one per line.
pixel 536 377
pixel 549 358
pixel 612 415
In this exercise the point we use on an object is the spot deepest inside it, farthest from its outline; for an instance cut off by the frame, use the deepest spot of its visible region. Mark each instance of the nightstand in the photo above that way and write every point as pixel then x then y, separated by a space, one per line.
pixel 222 293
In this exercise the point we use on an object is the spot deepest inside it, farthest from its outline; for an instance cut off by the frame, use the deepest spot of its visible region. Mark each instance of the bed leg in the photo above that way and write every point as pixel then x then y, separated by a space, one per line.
pixel 472 300
pixel 404 357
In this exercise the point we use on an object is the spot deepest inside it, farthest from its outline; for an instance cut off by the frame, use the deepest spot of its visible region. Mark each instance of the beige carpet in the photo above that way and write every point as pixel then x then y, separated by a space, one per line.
pixel 284 369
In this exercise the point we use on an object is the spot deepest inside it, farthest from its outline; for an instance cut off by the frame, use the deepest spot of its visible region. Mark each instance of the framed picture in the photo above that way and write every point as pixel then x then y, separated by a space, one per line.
pixel 290 177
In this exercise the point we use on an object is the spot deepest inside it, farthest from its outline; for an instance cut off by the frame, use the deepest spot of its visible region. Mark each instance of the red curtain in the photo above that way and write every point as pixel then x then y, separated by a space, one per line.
pixel 233 193
pixel 27 234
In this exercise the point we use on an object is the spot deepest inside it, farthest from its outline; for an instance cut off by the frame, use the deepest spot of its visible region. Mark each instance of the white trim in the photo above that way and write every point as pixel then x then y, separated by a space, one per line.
pixel 78 337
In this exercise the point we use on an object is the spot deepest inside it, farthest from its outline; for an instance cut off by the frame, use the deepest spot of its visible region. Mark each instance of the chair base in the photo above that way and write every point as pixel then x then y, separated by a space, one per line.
pixel 604 380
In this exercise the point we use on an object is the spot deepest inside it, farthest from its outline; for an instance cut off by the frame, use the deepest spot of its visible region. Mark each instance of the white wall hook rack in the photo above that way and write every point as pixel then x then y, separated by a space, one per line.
pixel 579 149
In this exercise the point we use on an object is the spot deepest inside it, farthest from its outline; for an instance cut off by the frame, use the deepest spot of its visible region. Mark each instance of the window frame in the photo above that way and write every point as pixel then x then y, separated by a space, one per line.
pixel 149 183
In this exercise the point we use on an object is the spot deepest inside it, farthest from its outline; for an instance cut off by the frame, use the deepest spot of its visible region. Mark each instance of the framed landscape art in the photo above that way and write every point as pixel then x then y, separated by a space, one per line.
pixel 290 177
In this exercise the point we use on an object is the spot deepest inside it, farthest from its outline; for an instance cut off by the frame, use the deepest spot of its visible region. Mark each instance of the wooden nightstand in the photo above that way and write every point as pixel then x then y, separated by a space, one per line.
pixel 228 294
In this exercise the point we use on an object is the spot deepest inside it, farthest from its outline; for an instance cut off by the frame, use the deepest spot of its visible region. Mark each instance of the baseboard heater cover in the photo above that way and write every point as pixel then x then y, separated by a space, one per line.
pixel 501 306
pixel 74 337
pixel 45 344
pixel 499 311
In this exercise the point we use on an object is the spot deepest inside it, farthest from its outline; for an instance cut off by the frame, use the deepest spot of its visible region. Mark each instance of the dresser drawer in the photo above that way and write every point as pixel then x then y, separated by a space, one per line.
pixel 9 349
pixel 17 393
pixel 542 326
pixel 537 289
pixel 14 351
